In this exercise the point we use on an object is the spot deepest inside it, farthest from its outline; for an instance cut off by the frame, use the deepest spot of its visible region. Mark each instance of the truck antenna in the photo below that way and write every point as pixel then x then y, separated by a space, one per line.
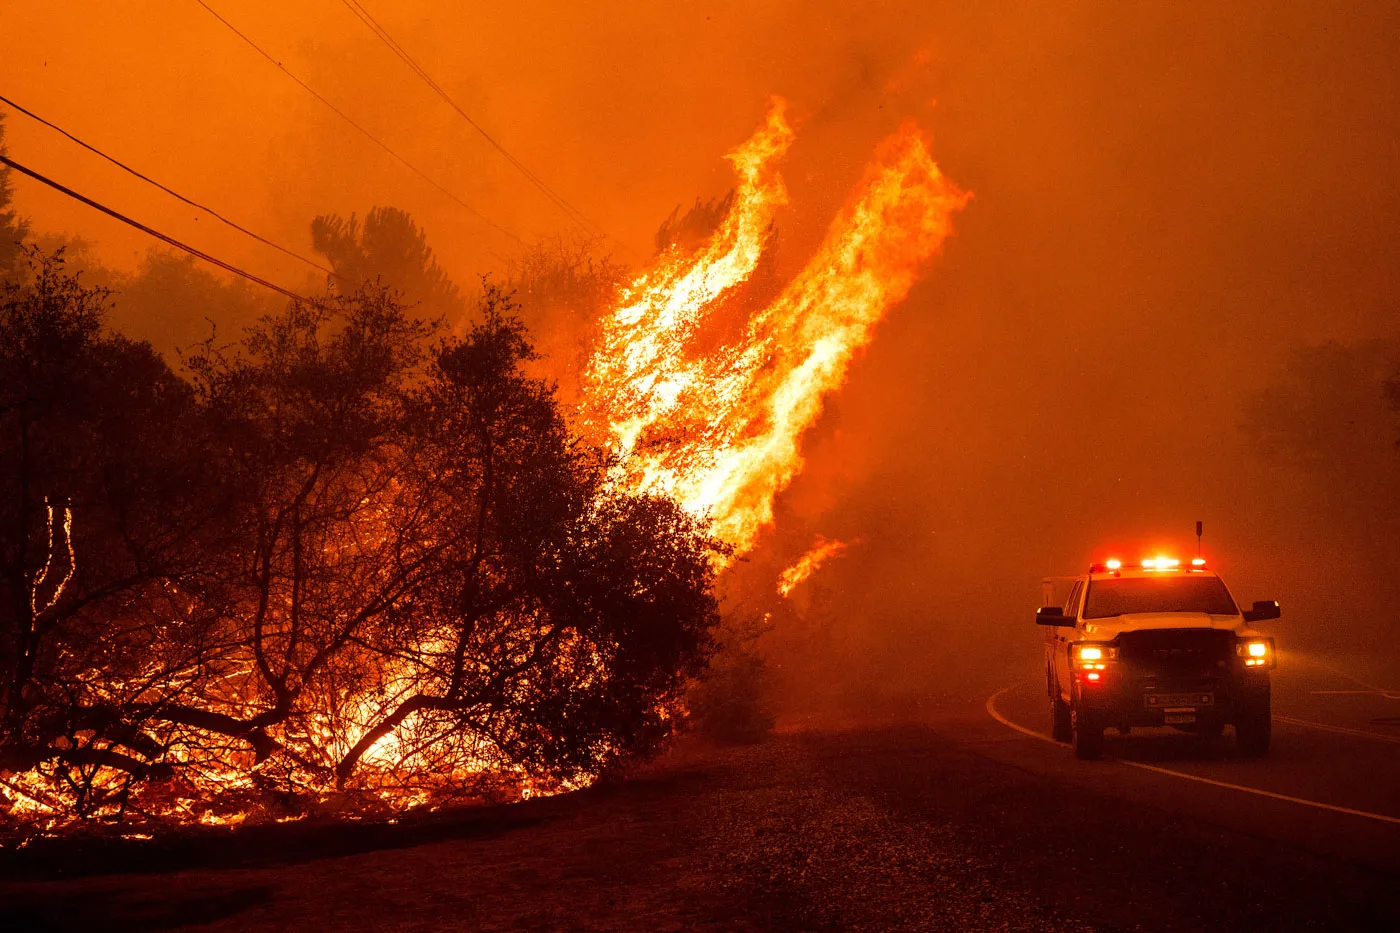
pixel 1198 538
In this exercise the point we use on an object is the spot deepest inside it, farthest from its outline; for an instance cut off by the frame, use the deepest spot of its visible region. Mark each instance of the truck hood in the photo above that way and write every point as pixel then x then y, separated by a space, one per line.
pixel 1114 626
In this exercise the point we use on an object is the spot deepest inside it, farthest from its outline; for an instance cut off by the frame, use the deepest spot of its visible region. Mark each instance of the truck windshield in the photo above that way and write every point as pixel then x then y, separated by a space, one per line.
pixel 1117 597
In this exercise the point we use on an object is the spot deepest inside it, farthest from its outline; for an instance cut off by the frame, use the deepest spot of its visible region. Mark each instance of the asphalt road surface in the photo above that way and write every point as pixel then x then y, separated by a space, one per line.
pixel 949 813
pixel 1331 781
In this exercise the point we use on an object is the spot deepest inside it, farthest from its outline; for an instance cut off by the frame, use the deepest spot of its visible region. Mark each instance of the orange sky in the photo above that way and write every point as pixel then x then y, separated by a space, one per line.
pixel 624 108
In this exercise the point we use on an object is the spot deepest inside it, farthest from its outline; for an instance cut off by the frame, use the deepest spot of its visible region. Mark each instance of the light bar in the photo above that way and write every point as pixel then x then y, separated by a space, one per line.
pixel 1115 566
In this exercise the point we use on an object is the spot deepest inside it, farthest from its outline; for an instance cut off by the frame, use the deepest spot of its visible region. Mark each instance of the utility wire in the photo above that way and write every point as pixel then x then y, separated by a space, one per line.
pixel 174 194
pixel 568 209
pixel 145 229
pixel 375 139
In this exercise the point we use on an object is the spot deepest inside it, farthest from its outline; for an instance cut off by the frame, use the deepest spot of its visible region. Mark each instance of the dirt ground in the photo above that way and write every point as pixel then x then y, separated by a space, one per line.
pixel 874 828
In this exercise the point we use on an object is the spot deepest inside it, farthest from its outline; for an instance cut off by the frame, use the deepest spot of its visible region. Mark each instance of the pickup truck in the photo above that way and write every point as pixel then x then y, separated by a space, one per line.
pixel 1157 643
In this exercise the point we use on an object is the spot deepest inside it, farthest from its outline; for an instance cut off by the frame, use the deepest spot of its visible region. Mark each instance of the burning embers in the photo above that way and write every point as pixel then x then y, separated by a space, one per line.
pixel 719 431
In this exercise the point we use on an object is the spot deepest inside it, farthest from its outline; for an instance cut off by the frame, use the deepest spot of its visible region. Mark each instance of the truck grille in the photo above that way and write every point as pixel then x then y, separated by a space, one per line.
pixel 1175 656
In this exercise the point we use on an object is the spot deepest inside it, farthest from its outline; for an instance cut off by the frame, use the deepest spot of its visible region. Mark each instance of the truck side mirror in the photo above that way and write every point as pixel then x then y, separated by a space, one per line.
pixel 1263 609
pixel 1052 615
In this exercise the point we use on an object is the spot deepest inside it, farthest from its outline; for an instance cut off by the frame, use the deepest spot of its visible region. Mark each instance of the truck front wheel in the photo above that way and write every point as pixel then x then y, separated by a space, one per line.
pixel 1061 726
pixel 1087 734
pixel 1253 733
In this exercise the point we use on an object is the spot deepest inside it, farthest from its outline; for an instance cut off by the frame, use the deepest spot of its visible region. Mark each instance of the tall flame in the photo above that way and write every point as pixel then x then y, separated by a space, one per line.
pixel 720 431
pixel 819 553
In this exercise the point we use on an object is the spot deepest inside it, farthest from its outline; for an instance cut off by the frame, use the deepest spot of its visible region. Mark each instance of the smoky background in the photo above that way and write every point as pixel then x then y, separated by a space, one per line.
pixel 1174 296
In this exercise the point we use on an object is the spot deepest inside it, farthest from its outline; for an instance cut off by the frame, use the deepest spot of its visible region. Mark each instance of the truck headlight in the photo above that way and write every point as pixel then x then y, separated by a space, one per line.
pixel 1256 652
pixel 1092 657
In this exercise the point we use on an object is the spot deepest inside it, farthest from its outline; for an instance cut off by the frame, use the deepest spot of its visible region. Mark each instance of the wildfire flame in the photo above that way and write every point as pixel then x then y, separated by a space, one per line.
pixel 720 431
pixel 820 552
pixel 715 424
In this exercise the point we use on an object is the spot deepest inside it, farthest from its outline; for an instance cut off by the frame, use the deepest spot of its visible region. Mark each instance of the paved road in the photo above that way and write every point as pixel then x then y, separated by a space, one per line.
pixel 1331 782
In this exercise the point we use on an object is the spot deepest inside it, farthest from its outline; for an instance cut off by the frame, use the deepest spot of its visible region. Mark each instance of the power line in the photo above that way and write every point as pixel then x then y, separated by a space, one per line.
pixel 375 139
pixel 383 35
pixel 175 194
pixel 145 229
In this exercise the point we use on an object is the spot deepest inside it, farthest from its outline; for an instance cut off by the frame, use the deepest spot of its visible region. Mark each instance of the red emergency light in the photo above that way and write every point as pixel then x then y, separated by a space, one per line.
pixel 1114 566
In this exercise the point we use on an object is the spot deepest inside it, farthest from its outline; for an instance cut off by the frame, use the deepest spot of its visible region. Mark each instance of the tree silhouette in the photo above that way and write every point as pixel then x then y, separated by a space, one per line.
pixel 691 229
pixel 1327 417
pixel 389 248
pixel 12 229
pixel 342 557
pixel 564 287
pixel 1327 412
pixel 103 502
pixel 177 302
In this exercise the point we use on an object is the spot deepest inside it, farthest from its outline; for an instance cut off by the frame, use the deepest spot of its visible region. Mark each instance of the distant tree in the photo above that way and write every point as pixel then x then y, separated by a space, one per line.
pixel 564 288
pixel 176 303
pixel 1392 394
pixel 689 230
pixel 572 275
pixel 731 701
pixel 170 300
pixel 12 228
pixel 1326 417
pixel 1327 413
pixel 388 248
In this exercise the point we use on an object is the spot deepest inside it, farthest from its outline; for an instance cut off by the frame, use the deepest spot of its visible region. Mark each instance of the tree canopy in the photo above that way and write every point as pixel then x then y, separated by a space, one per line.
pixel 346 558
pixel 387 248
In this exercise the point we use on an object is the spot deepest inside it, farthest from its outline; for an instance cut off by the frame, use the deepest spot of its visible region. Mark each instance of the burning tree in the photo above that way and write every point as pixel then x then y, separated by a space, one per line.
pixel 339 558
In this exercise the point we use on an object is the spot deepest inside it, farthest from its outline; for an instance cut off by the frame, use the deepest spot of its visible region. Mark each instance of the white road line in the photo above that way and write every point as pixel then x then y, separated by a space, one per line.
pixel 1381 817
pixel 1387 694
pixel 1344 730
pixel 992 711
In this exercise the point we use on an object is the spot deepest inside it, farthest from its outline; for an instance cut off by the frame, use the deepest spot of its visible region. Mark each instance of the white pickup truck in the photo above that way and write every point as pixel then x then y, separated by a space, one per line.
pixel 1156 643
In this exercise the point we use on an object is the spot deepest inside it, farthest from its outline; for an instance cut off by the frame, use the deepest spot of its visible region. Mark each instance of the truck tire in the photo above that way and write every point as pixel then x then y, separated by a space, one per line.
pixel 1253 734
pixel 1061 725
pixel 1087 735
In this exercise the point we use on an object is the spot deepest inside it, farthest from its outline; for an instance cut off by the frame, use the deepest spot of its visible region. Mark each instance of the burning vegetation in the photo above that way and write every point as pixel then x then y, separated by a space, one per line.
pixel 350 562
pixel 716 424
pixel 342 562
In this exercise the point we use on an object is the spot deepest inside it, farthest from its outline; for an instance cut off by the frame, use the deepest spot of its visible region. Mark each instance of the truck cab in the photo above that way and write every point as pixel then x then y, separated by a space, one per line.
pixel 1156 643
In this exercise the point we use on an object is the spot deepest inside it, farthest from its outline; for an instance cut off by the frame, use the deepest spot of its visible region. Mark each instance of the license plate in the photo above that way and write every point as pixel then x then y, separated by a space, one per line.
pixel 1174 717
pixel 1159 700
